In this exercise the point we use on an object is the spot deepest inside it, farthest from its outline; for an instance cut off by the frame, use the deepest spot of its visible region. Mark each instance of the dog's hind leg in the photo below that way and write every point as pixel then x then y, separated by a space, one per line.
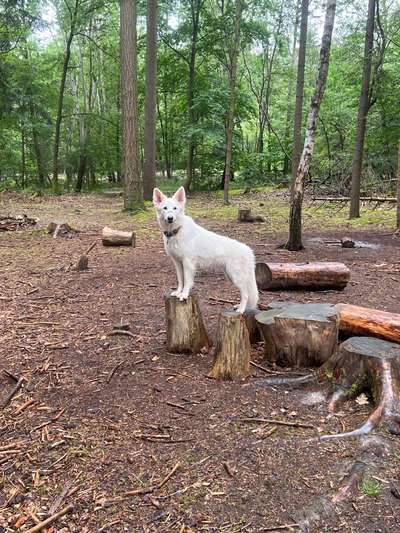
pixel 189 270
pixel 239 278
pixel 179 277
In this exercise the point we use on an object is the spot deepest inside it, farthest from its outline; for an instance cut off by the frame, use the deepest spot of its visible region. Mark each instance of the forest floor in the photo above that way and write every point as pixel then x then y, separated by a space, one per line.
pixel 100 415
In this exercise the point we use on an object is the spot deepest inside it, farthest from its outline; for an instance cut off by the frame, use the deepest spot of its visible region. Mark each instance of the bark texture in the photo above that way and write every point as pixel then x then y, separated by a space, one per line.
pixel 113 237
pixel 299 335
pixel 133 191
pixel 311 276
pixel 398 189
pixel 362 113
pixel 186 332
pixel 295 237
pixel 355 320
pixel 149 148
pixel 232 352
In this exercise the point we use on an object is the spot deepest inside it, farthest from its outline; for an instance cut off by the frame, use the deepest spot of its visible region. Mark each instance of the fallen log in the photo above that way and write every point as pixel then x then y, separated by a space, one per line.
pixel 186 332
pixel 388 199
pixel 9 223
pixel 366 364
pixel 309 276
pixel 232 351
pixel 355 320
pixel 114 237
pixel 299 335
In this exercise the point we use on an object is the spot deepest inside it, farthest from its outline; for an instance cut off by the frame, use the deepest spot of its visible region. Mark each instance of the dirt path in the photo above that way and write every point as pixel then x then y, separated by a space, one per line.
pixel 112 414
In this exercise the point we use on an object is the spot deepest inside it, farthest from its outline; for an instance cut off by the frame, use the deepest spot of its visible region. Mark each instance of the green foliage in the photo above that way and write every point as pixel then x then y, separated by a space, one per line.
pixel 371 488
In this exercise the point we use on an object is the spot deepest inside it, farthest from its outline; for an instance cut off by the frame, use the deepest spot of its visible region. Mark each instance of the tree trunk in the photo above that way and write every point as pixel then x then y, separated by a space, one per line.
pixel 398 189
pixel 149 167
pixel 289 110
pixel 133 190
pixel 295 238
pixel 195 6
pixel 298 113
pixel 362 113
pixel 185 327
pixel 299 335
pixel 365 364
pixel 23 156
pixel 232 352
pixel 232 90
pixel 355 320
pixel 71 34
pixel 305 276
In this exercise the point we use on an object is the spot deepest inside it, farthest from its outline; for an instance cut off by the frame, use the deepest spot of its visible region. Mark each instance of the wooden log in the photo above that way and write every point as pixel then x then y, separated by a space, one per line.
pixel 366 364
pixel 186 332
pixel 61 229
pixel 299 335
pixel 355 320
pixel 232 351
pixel 308 276
pixel 379 199
pixel 113 237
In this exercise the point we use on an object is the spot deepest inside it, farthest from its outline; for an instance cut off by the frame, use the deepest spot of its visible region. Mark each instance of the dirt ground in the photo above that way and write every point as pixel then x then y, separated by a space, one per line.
pixel 101 415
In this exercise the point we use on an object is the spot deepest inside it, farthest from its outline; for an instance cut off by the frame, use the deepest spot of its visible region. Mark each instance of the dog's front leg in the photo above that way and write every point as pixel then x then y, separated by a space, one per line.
pixel 189 269
pixel 179 277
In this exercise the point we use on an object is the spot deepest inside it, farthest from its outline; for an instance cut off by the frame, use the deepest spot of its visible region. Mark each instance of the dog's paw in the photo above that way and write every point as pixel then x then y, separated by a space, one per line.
pixel 183 296
pixel 176 293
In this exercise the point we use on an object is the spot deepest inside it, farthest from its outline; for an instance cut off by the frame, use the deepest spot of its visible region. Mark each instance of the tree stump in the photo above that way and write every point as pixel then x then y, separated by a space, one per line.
pixel 82 263
pixel 232 351
pixel 355 320
pixel 186 332
pixel 61 229
pixel 244 215
pixel 308 276
pixel 366 364
pixel 347 242
pixel 252 326
pixel 113 237
pixel 299 335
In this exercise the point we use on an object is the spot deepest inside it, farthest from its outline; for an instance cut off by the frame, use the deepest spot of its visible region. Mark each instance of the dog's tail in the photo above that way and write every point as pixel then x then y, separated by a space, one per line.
pixel 253 292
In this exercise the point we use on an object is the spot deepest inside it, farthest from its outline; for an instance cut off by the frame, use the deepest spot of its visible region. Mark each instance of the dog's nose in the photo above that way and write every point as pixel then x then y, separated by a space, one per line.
pixel 170 219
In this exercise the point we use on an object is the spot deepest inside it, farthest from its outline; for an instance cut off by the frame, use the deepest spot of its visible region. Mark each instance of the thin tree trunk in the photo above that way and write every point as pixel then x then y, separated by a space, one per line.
pixel 398 189
pixel 71 34
pixel 232 91
pixel 289 111
pixel 133 191
pixel 149 167
pixel 295 240
pixel 298 113
pixel 362 113
pixel 23 156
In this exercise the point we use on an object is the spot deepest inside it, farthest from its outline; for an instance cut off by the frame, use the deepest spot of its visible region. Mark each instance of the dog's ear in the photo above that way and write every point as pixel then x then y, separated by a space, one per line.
pixel 180 196
pixel 158 197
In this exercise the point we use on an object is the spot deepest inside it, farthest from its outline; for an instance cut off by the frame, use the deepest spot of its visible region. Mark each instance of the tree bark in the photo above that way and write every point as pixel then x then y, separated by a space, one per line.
pixel 133 190
pixel 355 320
pixel 186 332
pixel 299 335
pixel 149 166
pixel 398 189
pixel 362 113
pixel 309 276
pixel 67 56
pixel 295 231
pixel 232 352
pixel 234 53
pixel 298 113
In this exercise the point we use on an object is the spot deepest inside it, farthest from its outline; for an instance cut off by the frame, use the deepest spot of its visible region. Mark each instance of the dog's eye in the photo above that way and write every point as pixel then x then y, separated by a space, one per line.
pixel 174 208
pixel 165 207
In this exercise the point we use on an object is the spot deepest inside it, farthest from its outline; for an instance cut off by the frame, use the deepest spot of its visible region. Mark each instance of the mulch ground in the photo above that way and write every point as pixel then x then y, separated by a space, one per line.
pixel 100 415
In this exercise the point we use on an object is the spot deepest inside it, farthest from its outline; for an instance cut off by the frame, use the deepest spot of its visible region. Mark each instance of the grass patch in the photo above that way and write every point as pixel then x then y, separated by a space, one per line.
pixel 371 488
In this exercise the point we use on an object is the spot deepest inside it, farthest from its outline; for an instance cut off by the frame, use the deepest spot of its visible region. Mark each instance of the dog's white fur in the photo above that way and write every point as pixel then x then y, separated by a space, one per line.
pixel 193 247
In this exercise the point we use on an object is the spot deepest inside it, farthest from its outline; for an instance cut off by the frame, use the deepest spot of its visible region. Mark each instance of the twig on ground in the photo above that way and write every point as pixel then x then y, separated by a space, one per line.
pixel 110 375
pixel 221 300
pixel 278 422
pixel 122 332
pixel 8 398
pixel 152 488
pixel 50 519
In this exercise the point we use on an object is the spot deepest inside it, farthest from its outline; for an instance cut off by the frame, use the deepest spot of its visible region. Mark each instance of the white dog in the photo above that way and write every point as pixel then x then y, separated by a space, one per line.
pixel 192 247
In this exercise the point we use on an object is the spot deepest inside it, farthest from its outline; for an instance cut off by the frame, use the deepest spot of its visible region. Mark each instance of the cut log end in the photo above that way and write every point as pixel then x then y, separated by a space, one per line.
pixel 299 335
pixel 366 364
pixel 306 276
pixel 186 332
pixel 232 352
pixel 113 237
